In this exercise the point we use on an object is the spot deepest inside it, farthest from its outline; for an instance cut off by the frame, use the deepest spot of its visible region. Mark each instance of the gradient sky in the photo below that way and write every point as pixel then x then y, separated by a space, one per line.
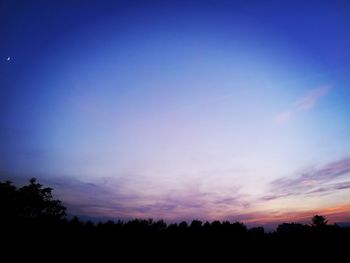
pixel 230 110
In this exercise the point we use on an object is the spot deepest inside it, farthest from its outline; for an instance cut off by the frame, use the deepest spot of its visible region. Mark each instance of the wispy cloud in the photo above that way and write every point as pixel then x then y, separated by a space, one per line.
pixel 311 182
pixel 331 187
pixel 108 199
pixel 120 198
pixel 308 101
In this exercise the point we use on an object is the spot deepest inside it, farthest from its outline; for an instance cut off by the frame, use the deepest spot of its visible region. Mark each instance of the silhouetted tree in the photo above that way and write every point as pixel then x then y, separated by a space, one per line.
pixel 37 202
pixel 160 225
pixel 290 229
pixel 183 225
pixel 196 224
pixel 29 203
pixel 319 221
pixel 216 240
pixel 75 222
pixel 257 231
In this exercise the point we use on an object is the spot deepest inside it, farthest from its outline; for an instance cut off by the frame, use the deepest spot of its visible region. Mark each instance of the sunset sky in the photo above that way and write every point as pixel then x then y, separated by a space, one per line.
pixel 181 110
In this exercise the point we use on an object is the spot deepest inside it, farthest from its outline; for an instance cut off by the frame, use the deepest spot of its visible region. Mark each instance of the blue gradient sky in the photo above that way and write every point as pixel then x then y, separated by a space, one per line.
pixel 175 110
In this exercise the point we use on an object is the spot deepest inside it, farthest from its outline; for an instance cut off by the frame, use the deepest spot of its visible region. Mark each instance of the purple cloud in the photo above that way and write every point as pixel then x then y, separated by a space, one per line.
pixel 307 102
pixel 310 99
pixel 310 182
pixel 330 187
pixel 114 198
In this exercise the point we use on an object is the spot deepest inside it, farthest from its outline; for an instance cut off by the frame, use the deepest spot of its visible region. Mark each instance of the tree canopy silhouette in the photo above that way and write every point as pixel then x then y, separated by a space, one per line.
pixel 319 221
pixel 28 203
pixel 30 218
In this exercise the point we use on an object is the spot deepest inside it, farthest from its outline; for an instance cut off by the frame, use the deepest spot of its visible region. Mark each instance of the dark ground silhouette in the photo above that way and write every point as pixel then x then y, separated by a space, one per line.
pixel 34 227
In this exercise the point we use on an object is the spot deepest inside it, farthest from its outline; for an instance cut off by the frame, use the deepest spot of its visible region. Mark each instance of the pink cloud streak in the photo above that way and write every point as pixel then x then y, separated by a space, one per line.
pixel 307 102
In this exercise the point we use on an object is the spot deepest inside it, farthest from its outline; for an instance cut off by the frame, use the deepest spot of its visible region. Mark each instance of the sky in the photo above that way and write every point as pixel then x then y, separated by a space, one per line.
pixel 181 110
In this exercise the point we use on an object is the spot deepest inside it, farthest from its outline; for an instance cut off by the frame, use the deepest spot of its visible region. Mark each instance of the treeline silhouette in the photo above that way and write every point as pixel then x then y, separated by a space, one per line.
pixel 33 223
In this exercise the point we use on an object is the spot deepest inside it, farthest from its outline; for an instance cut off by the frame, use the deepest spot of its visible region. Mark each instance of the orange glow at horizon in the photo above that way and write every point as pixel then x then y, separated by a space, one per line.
pixel 333 214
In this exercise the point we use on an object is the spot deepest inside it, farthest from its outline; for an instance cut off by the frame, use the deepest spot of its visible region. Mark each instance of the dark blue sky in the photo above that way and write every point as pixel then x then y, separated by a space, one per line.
pixel 174 107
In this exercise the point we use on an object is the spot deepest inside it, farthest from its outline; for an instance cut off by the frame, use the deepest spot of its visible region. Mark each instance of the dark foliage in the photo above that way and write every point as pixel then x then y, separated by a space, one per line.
pixel 319 221
pixel 34 224
pixel 32 202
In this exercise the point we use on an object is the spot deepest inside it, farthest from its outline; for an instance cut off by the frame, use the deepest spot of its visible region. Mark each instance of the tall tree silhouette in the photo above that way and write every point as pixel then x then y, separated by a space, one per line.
pixel 28 203
pixel 319 221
